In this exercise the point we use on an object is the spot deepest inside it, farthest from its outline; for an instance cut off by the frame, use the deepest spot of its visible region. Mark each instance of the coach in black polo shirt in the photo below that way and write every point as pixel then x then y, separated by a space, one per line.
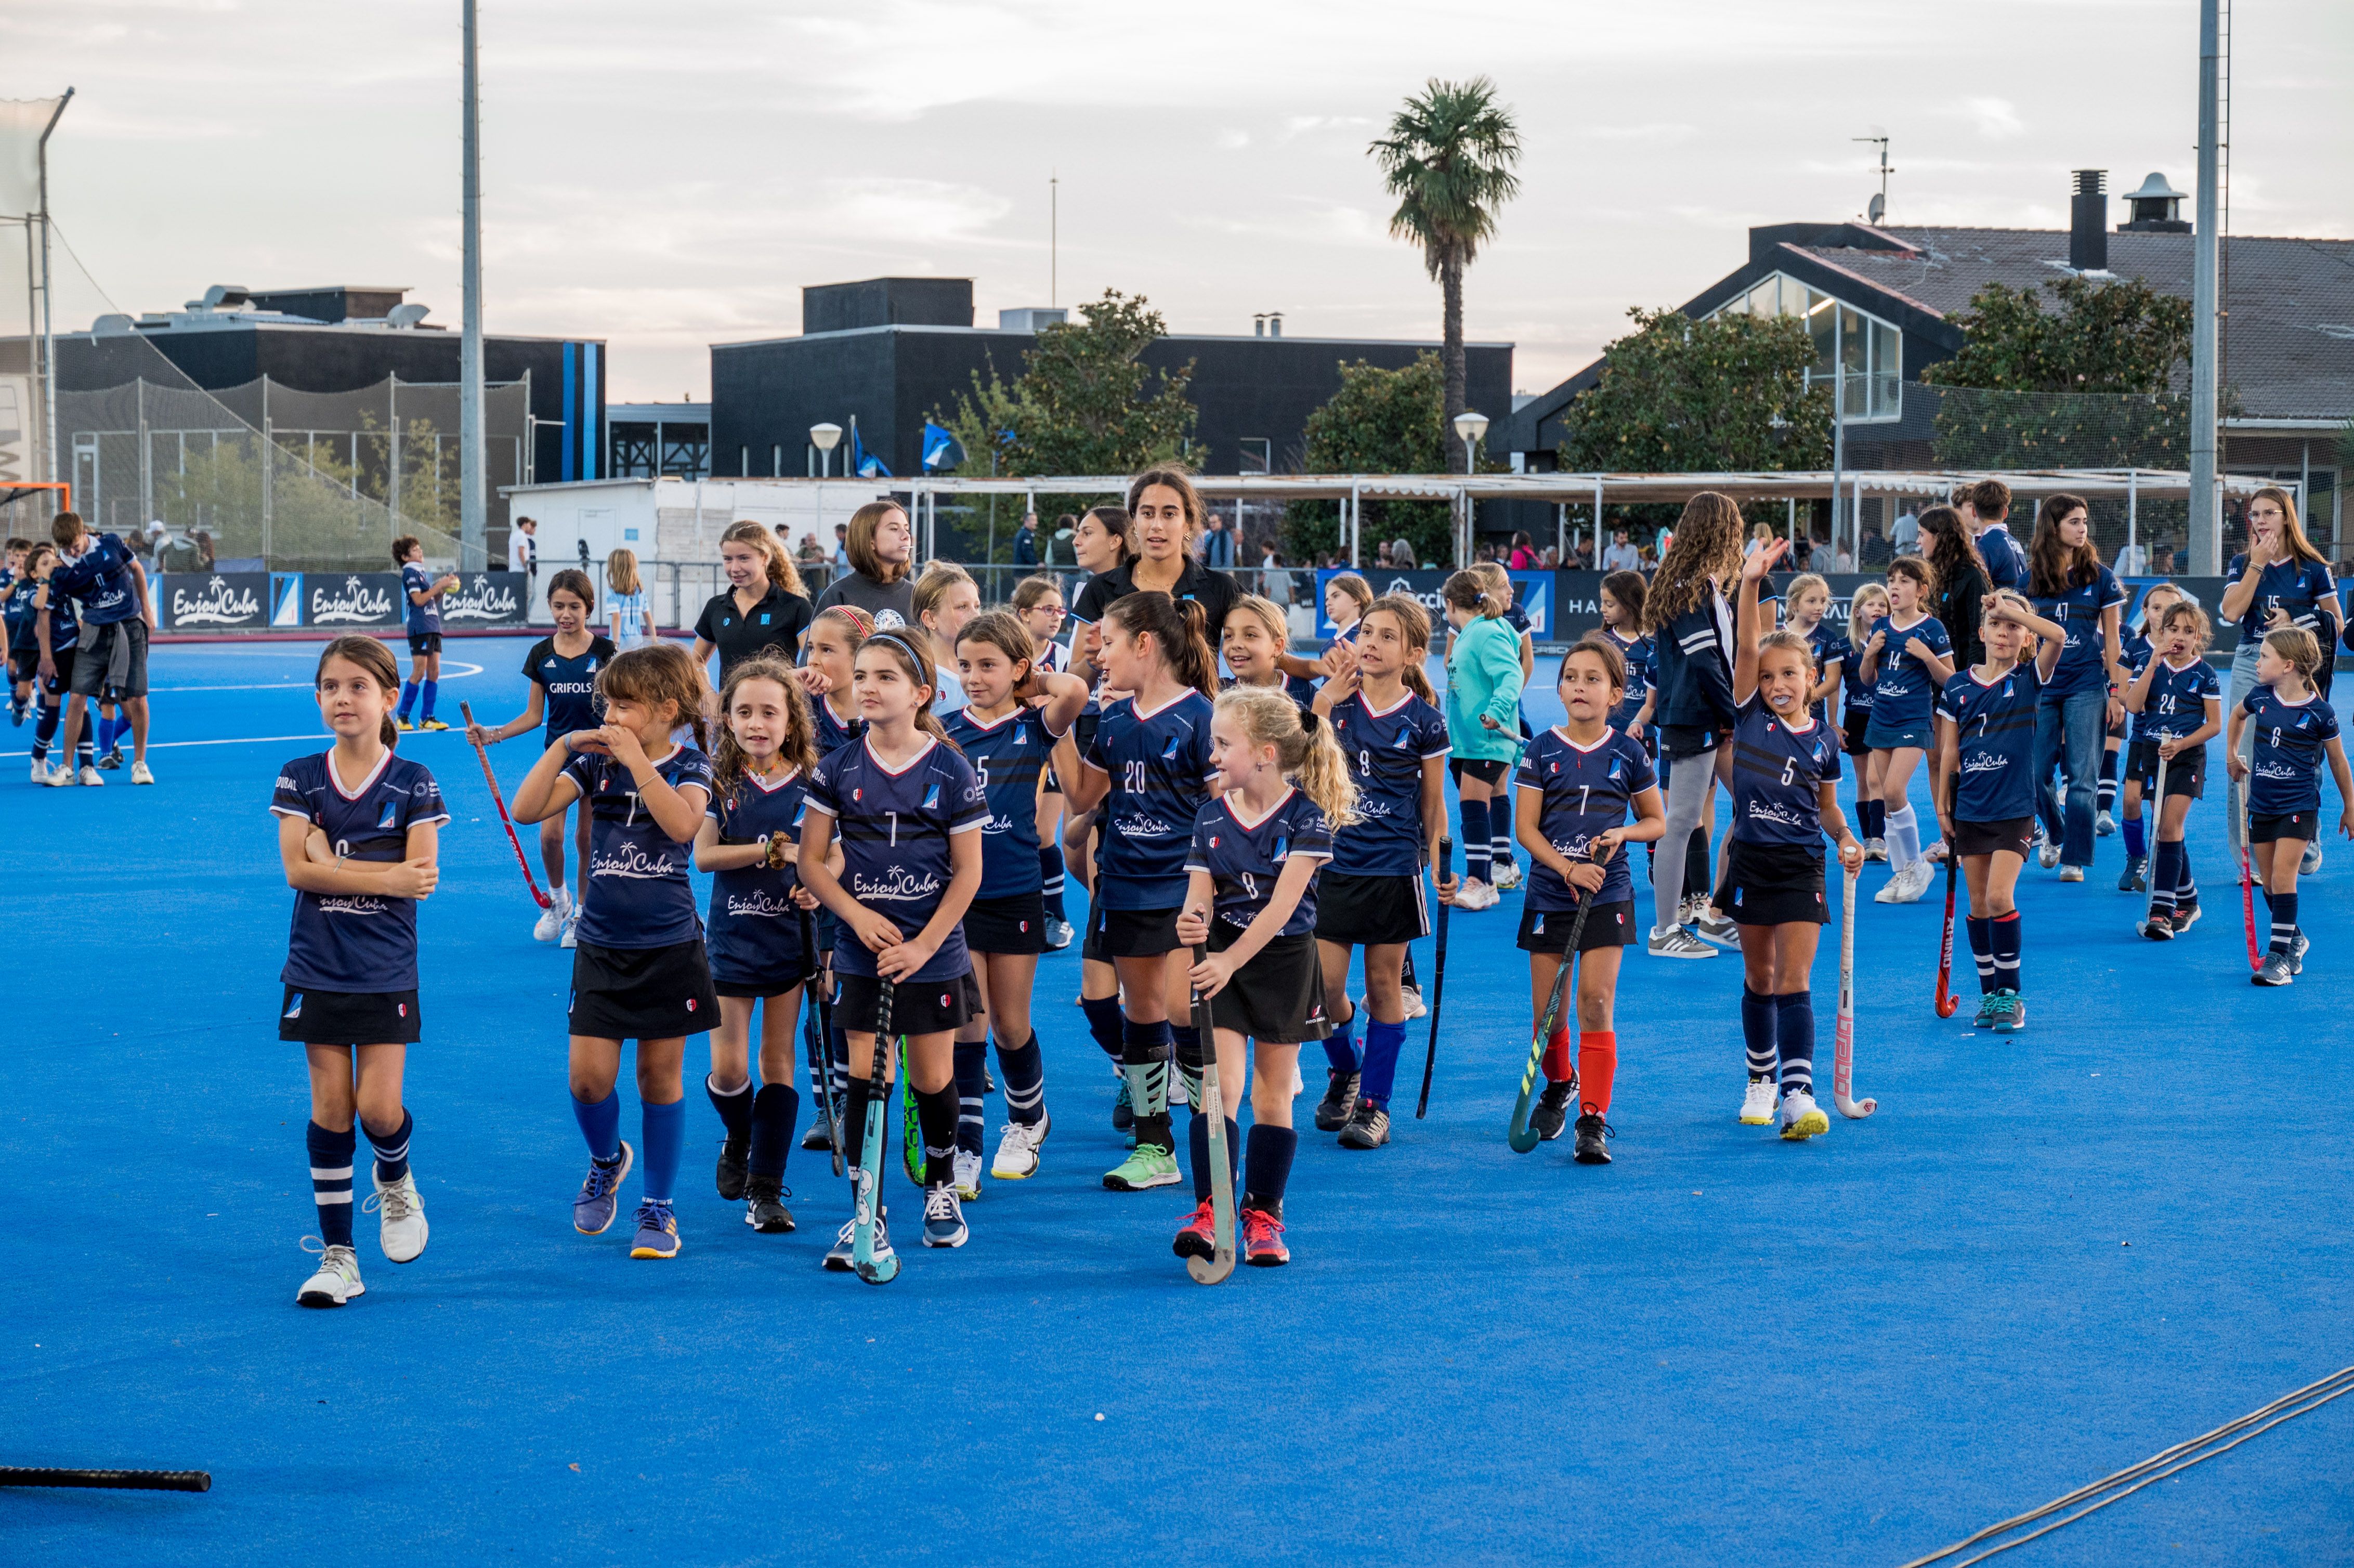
pixel 762 609
pixel 1168 516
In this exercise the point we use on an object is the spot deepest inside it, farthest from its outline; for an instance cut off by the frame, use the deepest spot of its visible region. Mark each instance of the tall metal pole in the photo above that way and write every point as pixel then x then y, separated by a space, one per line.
pixel 2206 520
pixel 48 290
pixel 473 513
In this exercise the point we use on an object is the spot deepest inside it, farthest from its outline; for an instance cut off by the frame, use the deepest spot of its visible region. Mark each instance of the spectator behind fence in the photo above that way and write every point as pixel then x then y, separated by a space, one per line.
pixel 1524 553
pixel 1217 545
pixel 1025 541
pixel 1823 559
pixel 1876 553
pixel 1622 556
pixel 1905 537
pixel 2132 561
pixel 811 554
pixel 523 549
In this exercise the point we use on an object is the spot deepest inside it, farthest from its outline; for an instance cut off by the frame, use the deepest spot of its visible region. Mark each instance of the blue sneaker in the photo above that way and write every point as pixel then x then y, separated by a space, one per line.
pixel 1985 1019
pixel 943 1217
pixel 592 1207
pixel 657 1231
pixel 2011 1012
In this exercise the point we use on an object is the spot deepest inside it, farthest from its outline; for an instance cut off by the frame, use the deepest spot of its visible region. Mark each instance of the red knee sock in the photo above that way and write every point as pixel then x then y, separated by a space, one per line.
pixel 1558 1062
pixel 1597 1066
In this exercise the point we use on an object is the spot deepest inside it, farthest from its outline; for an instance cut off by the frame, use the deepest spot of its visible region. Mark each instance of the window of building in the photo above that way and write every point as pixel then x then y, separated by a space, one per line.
pixel 1871 350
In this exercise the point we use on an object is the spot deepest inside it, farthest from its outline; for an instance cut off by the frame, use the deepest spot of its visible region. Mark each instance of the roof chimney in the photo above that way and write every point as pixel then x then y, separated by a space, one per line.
pixel 2088 227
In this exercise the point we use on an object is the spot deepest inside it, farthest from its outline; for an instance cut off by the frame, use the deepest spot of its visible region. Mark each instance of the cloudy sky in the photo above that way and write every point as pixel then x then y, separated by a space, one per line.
pixel 669 176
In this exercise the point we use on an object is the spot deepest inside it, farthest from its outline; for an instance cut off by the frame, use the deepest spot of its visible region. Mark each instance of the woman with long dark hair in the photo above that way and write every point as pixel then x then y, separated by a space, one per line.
pixel 2067 583
pixel 1166 515
pixel 1962 580
pixel 2279 581
pixel 1689 621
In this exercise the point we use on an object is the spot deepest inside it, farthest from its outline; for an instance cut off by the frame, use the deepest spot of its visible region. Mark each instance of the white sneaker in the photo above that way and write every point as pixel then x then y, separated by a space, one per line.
pixel 337 1280
pixel 1411 995
pixel 401 1227
pixel 1678 943
pixel 2072 873
pixel 1891 889
pixel 1508 876
pixel 2047 855
pixel 571 938
pixel 142 774
pixel 2105 825
pixel 1914 881
pixel 2311 862
pixel 550 928
pixel 1476 894
pixel 1801 1117
pixel 40 772
pixel 1875 850
pixel 92 778
pixel 61 777
pixel 1757 1103
pixel 968 1175
pixel 1017 1150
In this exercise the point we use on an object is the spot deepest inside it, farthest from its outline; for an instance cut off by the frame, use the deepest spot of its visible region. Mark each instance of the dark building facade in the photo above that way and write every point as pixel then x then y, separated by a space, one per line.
pixel 890 352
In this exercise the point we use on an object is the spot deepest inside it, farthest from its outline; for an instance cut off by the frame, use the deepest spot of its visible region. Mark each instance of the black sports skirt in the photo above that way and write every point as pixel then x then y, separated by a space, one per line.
pixel 1277 998
pixel 1370 911
pixel 1013 924
pixel 1772 884
pixel 642 993
pixel 349 1017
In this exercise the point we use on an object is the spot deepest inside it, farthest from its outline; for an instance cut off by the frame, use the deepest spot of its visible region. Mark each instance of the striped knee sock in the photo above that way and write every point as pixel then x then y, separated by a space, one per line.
pixel 2006 951
pixel 330 1180
pixel 1793 1040
pixel 1022 1071
pixel 1982 950
pixel 2164 872
pixel 1477 845
pixel 1500 838
pixel 972 1074
pixel 1051 884
pixel 1757 1032
pixel 392 1149
pixel 2105 786
pixel 2283 923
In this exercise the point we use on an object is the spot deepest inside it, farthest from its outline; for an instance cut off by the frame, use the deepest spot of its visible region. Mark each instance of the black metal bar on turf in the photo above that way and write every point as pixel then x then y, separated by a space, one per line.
pixel 111 1481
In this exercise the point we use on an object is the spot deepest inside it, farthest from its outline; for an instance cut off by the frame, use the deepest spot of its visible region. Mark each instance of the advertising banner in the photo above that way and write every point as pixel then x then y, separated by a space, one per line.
pixel 487 599
pixel 212 601
pixel 351 602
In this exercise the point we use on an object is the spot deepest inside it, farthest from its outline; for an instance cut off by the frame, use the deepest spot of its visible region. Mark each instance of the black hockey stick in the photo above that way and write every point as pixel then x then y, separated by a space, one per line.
pixel 817 1030
pixel 1518 1134
pixel 111 1481
pixel 1437 974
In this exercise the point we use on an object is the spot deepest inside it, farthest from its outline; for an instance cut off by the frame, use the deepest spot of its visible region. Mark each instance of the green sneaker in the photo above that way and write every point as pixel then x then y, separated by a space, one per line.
pixel 2010 1016
pixel 1150 1166
pixel 1985 1019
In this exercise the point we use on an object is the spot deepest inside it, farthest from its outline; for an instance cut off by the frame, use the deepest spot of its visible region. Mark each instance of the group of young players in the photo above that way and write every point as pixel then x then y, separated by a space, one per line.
pixel 873 808
pixel 77 611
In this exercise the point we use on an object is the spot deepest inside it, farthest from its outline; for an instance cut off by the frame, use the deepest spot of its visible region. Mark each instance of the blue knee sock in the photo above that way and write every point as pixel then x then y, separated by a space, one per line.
pixel 971 1080
pixel 430 689
pixel 1475 843
pixel 392 1149
pixel 1269 1168
pixel 1104 1023
pixel 775 1109
pixel 330 1180
pixel 2133 838
pixel 1793 1040
pixel 105 732
pixel 1022 1073
pixel 1197 1145
pixel 600 1124
pixel 1340 1047
pixel 664 1130
pixel 408 698
pixel 1982 950
pixel 1757 1032
pixel 1383 1042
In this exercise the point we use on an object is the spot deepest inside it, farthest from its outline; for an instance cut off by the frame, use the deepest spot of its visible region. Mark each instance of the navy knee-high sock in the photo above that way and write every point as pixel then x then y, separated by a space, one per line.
pixel 330 1180
pixel 1876 818
pixel 1757 1036
pixel 1475 843
pixel 1197 1148
pixel 1051 879
pixel 972 1076
pixel 391 1148
pixel 2283 923
pixel 1699 870
pixel 1982 950
pixel 859 1095
pixel 45 730
pixel 1793 1040
pixel 1341 1045
pixel 1022 1071
pixel 1144 1058
pixel 1185 1045
pixel 2105 788
pixel 775 1109
pixel 2006 951
pixel 2164 872
pixel 935 1115
pixel 734 1111
pixel 1269 1160
pixel 1104 1024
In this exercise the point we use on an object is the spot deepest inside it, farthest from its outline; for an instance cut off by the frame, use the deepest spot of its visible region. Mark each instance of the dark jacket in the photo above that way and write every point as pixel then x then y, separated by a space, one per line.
pixel 1960 610
pixel 1025 546
pixel 1695 671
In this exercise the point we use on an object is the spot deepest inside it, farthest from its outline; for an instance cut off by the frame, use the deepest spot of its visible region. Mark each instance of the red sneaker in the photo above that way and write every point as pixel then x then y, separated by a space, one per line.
pixel 1263 1240
pixel 1200 1236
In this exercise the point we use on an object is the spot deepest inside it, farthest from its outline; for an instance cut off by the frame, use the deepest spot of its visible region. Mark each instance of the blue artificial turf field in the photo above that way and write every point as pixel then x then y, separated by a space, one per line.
pixel 2044 1258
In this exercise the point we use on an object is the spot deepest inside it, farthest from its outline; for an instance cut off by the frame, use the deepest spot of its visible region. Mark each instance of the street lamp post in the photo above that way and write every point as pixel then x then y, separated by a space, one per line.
pixel 1469 426
pixel 825 436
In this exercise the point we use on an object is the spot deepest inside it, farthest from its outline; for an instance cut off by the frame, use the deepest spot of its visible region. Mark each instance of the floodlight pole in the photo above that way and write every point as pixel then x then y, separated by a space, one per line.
pixel 2206 539
pixel 473 519
pixel 48 291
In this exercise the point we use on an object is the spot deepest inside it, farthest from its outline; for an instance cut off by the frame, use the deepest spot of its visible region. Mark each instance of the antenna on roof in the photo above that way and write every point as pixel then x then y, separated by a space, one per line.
pixel 1878 210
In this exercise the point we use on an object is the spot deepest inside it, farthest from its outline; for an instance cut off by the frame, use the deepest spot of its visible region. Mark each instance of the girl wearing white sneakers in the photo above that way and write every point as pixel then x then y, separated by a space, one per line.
pixel 1483 720
pixel 1905 660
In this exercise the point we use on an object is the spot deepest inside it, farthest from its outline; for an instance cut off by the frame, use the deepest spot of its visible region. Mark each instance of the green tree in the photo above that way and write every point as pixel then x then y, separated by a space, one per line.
pixel 1724 395
pixel 1380 421
pixel 1449 159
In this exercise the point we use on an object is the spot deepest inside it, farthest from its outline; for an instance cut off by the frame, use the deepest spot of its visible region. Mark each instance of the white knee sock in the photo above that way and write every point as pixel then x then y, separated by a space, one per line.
pixel 1904 838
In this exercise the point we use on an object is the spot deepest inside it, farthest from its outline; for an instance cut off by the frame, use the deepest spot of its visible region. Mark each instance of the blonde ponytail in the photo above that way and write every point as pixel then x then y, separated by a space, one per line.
pixel 1311 758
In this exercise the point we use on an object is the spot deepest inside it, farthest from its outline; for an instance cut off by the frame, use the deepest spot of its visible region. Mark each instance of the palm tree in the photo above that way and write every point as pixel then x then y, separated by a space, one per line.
pixel 1449 159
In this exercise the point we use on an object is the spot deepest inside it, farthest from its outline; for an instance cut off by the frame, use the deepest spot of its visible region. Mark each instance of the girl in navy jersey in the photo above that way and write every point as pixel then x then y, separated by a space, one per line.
pixel 562 671
pixel 2067 582
pixel 421 601
pixel 1986 743
pixel 1785 771
pixel 1575 789
pixel 358 835
pixel 1014 713
pixel 907 810
pixel 835 639
pixel 2136 650
pixel 946 597
pixel 2289 728
pixel 750 843
pixel 1038 602
pixel 1253 645
pixel 1250 899
pixel 1148 770
pixel 2178 706
pixel 1866 608
pixel 1905 661
pixel 1622 621
pixel 639 968
pixel 1806 604
pixel 1385 719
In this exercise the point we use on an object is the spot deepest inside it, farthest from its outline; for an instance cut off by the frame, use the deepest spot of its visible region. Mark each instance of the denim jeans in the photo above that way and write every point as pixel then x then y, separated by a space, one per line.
pixel 2068 731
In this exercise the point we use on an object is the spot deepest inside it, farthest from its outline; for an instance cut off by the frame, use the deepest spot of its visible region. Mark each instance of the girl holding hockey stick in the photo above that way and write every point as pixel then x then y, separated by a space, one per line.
pixel 359 838
pixel 1015 712
pixel 639 970
pixel 1150 771
pixel 1985 789
pixel 835 639
pixel 1869 606
pixel 1038 601
pixel 1250 898
pixel 1786 772
pixel 1907 659
pixel 907 811
pixel 562 670
pixel 1483 715
pixel 1576 787
pixel 1385 717
pixel 750 842
pixel 2291 728
pixel 2177 701
pixel 2138 651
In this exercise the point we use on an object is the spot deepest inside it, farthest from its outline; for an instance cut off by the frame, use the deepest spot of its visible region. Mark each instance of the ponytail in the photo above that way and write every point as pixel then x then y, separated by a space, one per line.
pixel 1304 747
pixel 1414 622
pixel 1176 627
pixel 1468 590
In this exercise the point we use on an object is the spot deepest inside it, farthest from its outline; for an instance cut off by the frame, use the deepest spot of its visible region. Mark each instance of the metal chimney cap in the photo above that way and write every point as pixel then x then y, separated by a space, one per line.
pixel 2155 188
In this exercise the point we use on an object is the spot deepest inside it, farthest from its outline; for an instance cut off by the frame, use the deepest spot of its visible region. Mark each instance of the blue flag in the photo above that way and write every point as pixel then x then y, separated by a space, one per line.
pixel 941 449
pixel 863 463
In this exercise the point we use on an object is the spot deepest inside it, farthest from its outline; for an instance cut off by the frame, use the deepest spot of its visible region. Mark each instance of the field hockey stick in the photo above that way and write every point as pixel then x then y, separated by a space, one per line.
pixel 2243 818
pixel 1214 1269
pixel 111 1481
pixel 466 711
pixel 911 1122
pixel 817 1030
pixel 2158 825
pixel 1518 1133
pixel 1438 976
pixel 1946 999
pixel 866 1182
pixel 1843 1053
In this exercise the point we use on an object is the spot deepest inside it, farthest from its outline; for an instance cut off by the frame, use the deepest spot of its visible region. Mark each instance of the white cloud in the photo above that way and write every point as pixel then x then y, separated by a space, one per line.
pixel 1994 118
